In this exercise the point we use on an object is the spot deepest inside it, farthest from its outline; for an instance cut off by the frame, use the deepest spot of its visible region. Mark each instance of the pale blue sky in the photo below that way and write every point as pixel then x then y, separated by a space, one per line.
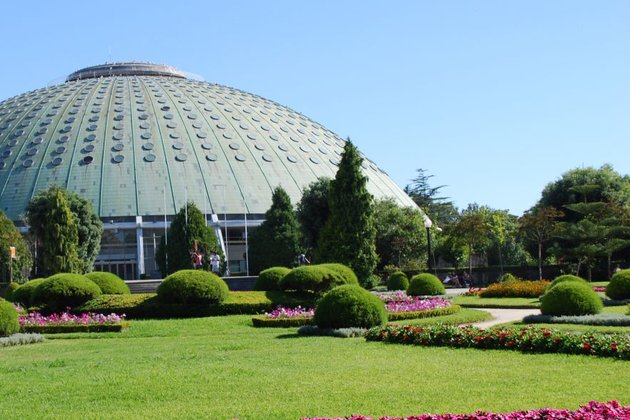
pixel 494 98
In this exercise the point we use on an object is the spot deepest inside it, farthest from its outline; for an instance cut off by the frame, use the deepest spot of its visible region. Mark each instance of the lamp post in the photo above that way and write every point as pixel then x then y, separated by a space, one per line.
pixel 427 224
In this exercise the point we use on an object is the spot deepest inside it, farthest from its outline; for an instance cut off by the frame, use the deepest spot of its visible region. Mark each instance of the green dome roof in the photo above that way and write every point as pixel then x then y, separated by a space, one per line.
pixel 140 139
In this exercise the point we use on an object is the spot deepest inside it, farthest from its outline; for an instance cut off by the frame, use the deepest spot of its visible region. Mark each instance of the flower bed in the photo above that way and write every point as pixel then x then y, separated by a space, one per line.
pixel 593 410
pixel 529 339
pixel 66 322
pixel 518 288
pixel 599 289
pixel 285 317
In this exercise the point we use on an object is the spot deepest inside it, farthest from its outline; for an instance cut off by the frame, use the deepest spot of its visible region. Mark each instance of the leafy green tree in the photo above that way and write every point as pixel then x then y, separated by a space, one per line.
pixel 187 228
pixel 276 241
pixel 439 209
pixel 400 235
pixel 56 232
pixel 471 231
pixel 16 268
pixel 312 211
pixel 538 225
pixel 349 235
pixel 89 226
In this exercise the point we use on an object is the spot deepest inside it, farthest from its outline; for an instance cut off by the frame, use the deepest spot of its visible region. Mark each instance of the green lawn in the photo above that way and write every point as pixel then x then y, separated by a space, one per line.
pixel 223 368
pixel 479 302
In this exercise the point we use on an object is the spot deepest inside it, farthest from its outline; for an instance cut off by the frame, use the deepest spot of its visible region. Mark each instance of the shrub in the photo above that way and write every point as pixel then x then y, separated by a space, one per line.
pixel 109 283
pixel 571 298
pixel 12 287
pixel 619 286
pixel 192 286
pixel 269 279
pixel 566 277
pixel 19 339
pixel 507 277
pixel 515 288
pixel 9 323
pixel 397 281
pixel 64 290
pixel 24 293
pixel 343 270
pixel 349 306
pixel 425 284
pixel 315 278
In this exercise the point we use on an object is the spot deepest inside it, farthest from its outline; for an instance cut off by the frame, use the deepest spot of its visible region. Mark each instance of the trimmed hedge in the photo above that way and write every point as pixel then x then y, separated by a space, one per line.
pixel 8 293
pixel 269 279
pixel 566 277
pixel 109 283
pixel 263 321
pixel 349 306
pixel 425 284
pixel 571 298
pixel 515 288
pixel 9 323
pixel 315 278
pixel 400 316
pixel 60 329
pixel 344 271
pixel 619 286
pixel 147 305
pixel 65 290
pixel 397 281
pixel 192 286
pixel 24 293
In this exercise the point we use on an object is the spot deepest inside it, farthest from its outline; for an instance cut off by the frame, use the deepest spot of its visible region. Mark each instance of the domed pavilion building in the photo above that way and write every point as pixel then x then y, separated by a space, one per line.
pixel 138 140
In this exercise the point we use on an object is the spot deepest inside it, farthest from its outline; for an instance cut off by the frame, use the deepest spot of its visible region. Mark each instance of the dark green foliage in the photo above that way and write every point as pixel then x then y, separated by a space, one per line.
pixel 8 293
pixel 266 322
pixel 188 226
pixel 109 283
pixel 269 279
pixel 314 278
pixel 21 265
pixel 276 241
pixel 425 284
pixel 566 277
pixel 143 306
pixel 90 229
pixel 507 277
pixel 65 290
pixel 192 286
pixel 429 199
pixel 312 211
pixel 343 270
pixel 8 319
pixel 56 232
pixel 397 281
pixel 571 298
pixel 401 238
pixel 349 306
pixel 25 293
pixel 74 328
pixel 619 286
pixel 349 235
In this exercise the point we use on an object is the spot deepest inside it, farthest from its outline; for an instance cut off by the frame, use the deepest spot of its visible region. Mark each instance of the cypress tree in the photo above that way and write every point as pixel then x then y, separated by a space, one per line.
pixel 349 235
pixel 276 241
pixel 188 226
pixel 56 233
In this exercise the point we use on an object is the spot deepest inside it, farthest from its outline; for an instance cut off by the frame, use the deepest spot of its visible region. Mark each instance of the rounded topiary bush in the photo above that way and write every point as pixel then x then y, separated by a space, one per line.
pixel 315 278
pixel 346 272
pixel 109 283
pixel 425 284
pixel 507 277
pixel 8 293
pixel 571 298
pixel 619 286
pixel 193 286
pixel 397 281
pixel 269 279
pixel 9 323
pixel 64 290
pixel 349 306
pixel 566 277
pixel 24 294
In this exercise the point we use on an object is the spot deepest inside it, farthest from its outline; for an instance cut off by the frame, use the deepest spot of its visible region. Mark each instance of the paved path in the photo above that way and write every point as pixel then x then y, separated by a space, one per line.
pixel 499 316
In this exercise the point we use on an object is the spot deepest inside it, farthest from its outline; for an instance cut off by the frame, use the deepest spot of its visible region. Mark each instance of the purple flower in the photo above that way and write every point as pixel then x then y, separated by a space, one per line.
pixel 66 318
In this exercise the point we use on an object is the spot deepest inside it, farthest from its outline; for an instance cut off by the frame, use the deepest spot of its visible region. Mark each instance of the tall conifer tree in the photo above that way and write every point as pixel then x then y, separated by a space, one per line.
pixel 349 235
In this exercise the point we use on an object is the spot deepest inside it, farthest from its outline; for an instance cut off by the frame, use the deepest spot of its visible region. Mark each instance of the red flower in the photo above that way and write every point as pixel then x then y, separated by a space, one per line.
pixel 586 346
pixel 546 333
pixel 613 346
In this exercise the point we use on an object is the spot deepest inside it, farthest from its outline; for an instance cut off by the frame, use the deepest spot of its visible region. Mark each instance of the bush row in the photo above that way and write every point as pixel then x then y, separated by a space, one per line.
pixel 530 339
pixel 266 322
pixel 20 339
pixel 317 278
pixel 58 329
pixel 610 320
pixel 515 288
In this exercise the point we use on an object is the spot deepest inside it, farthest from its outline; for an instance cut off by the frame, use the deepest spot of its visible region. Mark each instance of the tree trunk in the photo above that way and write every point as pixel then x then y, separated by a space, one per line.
pixel 539 260
pixel 470 260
